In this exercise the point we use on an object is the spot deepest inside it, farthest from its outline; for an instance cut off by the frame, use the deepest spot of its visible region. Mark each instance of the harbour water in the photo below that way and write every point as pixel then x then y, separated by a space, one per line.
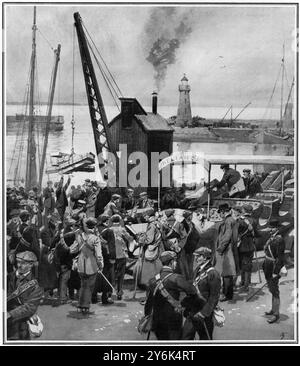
pixel 83 139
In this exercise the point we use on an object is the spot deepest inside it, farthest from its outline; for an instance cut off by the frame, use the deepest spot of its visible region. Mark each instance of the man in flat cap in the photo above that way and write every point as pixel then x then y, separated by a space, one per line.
pixel 207 281
pixel 247 232
pixel 273 263
pixel 49 201
pixel 226 242
pixel 28 237
pixel 144 201
pixel 233 180
pixel 163 299
pixel 252 184
pixel 178 240
pixel 90 261
pixel 129 202
pixel 114 205
pixel 23 297
pixel 61 196
pixel 121 236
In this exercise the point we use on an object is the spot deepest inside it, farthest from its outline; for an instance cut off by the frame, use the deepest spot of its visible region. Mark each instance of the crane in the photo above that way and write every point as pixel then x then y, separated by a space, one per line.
pixel 102 136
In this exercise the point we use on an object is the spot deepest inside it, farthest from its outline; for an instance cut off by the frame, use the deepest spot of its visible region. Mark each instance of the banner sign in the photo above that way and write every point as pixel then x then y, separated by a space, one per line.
pixel 188 157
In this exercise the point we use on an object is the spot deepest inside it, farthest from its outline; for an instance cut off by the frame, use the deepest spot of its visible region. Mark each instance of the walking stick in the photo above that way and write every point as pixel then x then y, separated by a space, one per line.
pixel 256 260
pixel 110 285
pixel 206 330
pixel 256 292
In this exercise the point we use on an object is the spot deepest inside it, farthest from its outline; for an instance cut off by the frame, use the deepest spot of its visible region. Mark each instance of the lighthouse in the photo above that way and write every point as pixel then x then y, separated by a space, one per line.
pixel 184 113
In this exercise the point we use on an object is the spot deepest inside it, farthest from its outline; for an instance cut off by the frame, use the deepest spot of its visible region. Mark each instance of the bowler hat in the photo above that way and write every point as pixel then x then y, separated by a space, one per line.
pixel 27 256
pixel 224 207
pixel 167 256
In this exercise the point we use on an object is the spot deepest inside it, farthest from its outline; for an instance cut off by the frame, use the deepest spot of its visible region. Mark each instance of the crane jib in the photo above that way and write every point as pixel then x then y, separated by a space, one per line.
pixel 98 116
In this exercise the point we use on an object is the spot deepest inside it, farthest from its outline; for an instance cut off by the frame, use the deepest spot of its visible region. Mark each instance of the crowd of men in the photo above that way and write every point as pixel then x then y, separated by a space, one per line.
pixel 71 243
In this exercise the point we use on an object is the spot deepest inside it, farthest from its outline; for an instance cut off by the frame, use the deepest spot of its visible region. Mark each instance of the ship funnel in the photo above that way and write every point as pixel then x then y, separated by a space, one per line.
pixel 154 102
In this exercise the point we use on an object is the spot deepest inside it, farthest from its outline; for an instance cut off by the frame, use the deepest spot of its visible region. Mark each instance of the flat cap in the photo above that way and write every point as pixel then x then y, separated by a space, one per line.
pixel 224 166
pixel 274 223
pixel 246 170
pixel 14 212
pixel 82 202
pixel 91 222
pixel 206 252
pixel 24 215
pixel 169 212
pixel 247 208
pixel 27 256
pixel 87 180
pixel 167 256
pixel 143 194
pixel 224 207
pixel 116 218
pixel 115 196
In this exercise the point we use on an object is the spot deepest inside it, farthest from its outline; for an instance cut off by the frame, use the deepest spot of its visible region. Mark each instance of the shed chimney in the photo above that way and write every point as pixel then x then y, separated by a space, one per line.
pixel 154 102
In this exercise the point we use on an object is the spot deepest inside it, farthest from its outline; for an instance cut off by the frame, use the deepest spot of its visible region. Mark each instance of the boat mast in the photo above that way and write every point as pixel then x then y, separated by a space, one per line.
pixel 50 104
pixel 31 171
pixel 289 96
pixel 282 77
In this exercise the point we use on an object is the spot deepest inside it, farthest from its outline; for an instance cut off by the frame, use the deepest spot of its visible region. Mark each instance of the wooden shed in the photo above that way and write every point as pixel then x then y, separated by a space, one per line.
pixel 143 132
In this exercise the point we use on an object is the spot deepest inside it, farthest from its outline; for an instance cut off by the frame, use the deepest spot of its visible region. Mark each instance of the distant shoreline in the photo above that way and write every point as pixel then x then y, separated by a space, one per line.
pixel 194 106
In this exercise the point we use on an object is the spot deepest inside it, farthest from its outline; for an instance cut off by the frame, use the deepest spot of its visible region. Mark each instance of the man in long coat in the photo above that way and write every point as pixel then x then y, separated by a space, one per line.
pixel 61 197
pixel 23 297
pixel 225 246
pixel 152 247
pixel 167 314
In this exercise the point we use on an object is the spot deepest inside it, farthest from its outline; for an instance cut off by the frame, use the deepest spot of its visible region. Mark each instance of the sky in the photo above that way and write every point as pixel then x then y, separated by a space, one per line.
pixel 231 55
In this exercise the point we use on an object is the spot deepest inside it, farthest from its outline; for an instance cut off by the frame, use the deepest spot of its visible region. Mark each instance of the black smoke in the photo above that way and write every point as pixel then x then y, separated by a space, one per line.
pixel 166 30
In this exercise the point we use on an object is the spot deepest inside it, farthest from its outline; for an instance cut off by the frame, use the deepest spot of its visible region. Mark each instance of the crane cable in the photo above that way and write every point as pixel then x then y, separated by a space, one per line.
pixel 106 74
pixel 102 59
pixel 107 82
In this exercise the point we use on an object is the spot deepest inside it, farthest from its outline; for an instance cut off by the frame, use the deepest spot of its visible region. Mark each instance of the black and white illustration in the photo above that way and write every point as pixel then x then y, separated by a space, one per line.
pixel 149 173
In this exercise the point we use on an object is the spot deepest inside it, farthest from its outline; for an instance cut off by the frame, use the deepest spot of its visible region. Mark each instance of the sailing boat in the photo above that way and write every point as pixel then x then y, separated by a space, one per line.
pixel 31 124
pixel 56 122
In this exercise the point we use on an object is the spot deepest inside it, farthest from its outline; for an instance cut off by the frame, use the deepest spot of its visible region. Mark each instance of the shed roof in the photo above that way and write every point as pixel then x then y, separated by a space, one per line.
pixel 154 122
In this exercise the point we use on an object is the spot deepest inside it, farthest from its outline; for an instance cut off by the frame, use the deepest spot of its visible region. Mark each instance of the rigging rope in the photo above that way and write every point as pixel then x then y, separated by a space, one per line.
pixel 114 81
pixel 105 78
pixel 73 91
pixel 272 94
pixel 20 128
pixel 45 39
